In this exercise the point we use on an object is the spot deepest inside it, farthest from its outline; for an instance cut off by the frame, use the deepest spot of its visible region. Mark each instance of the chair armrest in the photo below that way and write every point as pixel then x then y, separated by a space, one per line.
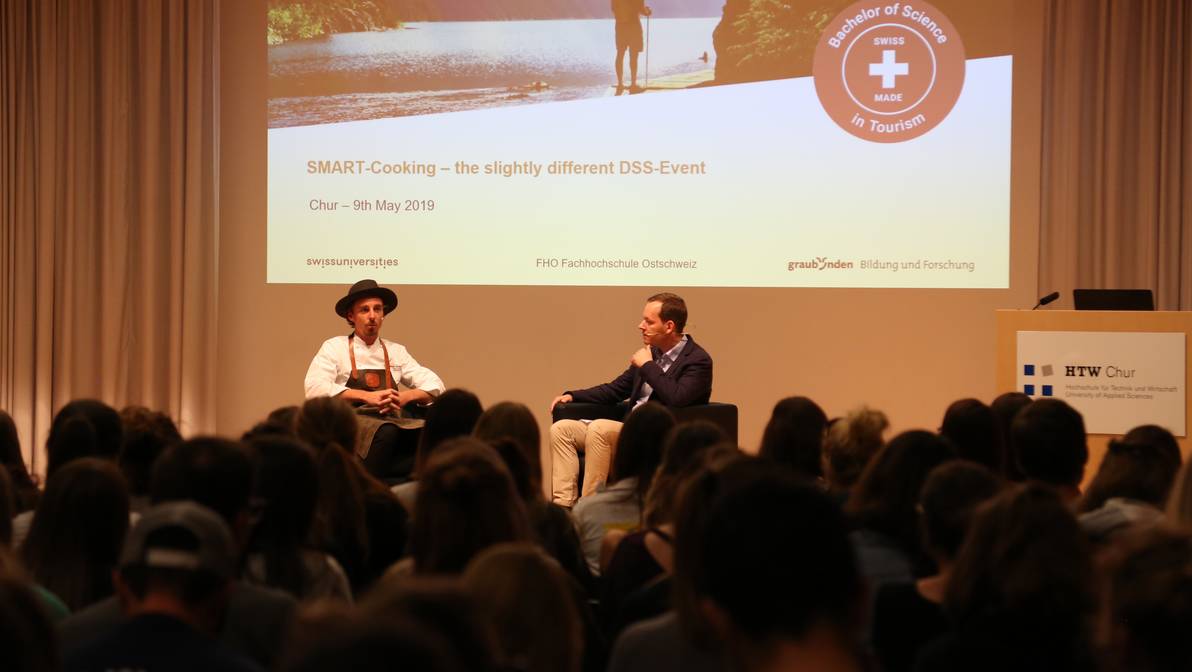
pixel 578 410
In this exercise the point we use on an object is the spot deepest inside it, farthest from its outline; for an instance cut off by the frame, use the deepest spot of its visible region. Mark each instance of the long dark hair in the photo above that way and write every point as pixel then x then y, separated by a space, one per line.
pixel 453 414
pixel 328 425
pixel 1142 466
pixel 515 422
pixel 639 447
pixel 683 451
pixel 24 489
pixel 287 486
pixel 83 428
pixel 973 429
pixel 466 503
pixel 885 498
pixel 77 531
pixel 1025 568
pixel 794 436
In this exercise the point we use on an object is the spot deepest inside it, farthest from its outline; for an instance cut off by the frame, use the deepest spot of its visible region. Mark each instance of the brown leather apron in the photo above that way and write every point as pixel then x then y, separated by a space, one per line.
pixel 368 419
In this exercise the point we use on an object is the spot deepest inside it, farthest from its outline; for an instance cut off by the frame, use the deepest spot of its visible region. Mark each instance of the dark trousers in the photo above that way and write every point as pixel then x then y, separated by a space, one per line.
pixel 391 456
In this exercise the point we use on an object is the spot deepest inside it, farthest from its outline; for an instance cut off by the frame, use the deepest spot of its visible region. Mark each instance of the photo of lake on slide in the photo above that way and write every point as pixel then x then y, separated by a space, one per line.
pixel 334 61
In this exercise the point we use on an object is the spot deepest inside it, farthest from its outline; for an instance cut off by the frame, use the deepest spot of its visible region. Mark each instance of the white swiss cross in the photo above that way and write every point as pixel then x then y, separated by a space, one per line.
pixel 888 69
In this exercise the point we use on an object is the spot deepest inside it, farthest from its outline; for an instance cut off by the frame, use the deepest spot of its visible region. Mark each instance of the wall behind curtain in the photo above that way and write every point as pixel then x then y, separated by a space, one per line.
pixel 1117 148
pixel 108 244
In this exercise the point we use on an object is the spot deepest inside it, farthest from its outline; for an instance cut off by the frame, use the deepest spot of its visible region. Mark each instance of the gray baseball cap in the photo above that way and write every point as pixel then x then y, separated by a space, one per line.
pixel 215 552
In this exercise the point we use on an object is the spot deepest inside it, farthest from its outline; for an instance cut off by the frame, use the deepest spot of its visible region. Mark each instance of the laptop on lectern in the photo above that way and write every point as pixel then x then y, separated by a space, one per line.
pixel 1113 299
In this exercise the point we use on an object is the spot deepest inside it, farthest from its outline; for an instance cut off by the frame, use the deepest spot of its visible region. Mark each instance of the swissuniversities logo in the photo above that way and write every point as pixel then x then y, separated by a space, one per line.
pixel 889 71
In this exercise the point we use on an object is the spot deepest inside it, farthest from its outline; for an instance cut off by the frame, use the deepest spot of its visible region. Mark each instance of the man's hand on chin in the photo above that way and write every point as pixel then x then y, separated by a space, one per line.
pixel 641 357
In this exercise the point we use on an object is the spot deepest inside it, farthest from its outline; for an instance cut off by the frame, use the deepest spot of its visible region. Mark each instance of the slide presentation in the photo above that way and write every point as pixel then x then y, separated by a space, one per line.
pixel 672 143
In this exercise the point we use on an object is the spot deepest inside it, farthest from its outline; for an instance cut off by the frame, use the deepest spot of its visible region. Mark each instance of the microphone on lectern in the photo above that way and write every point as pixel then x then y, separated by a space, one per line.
pixel 1047 299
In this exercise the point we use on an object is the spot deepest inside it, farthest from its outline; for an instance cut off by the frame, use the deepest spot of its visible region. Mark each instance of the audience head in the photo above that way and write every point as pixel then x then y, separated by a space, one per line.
pixel 283 416
pixel 1048 442
pixel 640 444
pixel 682 452
pixel 1024 568
pixel 330 637
pixel 286 485
pixel 527 600
pixel 514 422
pixel 466 503
pixel 83 428
pixel 763 579
pixel 454 413
pixel 147 434
pixel 180 554
pixel 1147 610
pixel 949 498
pixel 1004 408
pixel 794 436
pixel 77 531
pixel 7 509
pixel 440 606
pixel 850 443
pixel 885 498
pixel 28 639
pixel 328 425
pixel 1179 501
pixel 214 472
pixel 325 421
pixel 972 428
pixel 1141 466
pixel 12 461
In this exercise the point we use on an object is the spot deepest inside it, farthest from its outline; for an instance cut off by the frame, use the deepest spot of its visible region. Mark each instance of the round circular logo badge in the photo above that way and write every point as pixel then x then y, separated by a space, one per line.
pixel 889 71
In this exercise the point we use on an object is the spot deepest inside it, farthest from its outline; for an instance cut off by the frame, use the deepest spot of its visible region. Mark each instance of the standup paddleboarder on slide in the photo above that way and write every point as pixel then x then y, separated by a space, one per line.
pixel 629 38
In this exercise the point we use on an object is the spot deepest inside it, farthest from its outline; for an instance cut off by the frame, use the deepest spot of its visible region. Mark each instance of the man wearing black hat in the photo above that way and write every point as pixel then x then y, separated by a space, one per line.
pixel 364 369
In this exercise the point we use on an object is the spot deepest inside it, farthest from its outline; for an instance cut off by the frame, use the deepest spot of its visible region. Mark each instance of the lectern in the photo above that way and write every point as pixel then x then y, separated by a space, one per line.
pixel 1120 369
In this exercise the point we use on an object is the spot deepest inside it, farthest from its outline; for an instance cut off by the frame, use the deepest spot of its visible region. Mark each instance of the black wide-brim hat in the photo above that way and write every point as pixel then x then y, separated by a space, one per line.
pixel 366 289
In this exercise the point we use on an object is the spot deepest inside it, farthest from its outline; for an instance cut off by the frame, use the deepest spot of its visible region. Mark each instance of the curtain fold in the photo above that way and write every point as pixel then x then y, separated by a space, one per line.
pixel 1117 148
pixel 108 250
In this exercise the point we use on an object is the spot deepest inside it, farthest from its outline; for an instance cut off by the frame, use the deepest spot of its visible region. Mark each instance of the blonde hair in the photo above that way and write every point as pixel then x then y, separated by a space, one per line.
pixel 850 443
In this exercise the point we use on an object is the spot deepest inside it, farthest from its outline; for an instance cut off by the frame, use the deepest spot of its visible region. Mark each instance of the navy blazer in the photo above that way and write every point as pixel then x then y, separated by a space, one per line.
pixel 688 381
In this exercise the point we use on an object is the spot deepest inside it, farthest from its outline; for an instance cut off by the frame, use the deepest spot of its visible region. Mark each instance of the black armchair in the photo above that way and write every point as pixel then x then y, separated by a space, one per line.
pixel 720 414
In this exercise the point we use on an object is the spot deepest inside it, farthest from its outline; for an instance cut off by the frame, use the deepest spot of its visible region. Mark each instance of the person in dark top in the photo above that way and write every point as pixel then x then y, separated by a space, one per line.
pixel 77 531
pixel 908 614
pixel 466 502
pixel 973 429
pixel 1148 602
pixel 1004 408
pixel 217 474
pixel 794 436
pixel 1049 445
pixel 1132 485
pixel 882 507
pixel 174 577
pixel 27 639
pixel 550 523
pixel 25 492
pixel 783 592
pixel 1022 593
pixel 358 520
pixel 147 434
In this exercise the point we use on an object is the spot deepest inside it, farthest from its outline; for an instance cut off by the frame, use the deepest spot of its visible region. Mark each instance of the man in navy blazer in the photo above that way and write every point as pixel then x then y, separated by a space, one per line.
pixel 669 368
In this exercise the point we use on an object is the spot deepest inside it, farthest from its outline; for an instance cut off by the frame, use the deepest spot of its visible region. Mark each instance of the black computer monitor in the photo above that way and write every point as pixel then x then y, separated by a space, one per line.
pixel 1113 299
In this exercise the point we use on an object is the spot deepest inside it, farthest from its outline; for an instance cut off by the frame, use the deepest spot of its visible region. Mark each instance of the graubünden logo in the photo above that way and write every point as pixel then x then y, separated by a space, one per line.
pixel 889 71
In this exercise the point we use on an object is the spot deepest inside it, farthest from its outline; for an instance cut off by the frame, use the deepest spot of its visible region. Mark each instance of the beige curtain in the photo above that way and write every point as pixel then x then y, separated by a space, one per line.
pixel 1117 148
pixel 108 141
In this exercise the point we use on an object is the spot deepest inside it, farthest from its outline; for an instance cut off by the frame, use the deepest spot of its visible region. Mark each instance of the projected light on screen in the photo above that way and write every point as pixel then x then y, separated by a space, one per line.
pixel 489 143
